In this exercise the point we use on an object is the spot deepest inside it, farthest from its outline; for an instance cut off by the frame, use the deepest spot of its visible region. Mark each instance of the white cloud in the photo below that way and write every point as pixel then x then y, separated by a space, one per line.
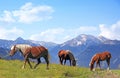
pixel 50 35
pixel 28 13
pixel 60 35
pixel 10 33
pixel 87 30
pixel 111 32
pixel 7 17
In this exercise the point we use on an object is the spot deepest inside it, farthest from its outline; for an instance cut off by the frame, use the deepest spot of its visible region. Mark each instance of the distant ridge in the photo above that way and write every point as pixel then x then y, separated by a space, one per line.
pixel 83 47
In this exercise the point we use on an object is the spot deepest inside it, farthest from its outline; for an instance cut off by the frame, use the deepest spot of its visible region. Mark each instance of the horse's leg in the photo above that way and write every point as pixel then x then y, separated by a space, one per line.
pixel 108 62
pixel 60 60
pixel 96 65
pixel 99 64
pixel 26 59
pixel 70 62
pixel 24 64
pixel 47 61
pixel 29 63
pixel 38 62
pixel 65 62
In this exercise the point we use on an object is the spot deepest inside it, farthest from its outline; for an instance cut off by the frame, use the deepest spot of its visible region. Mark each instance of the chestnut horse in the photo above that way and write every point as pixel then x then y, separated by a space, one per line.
pixel 28 51
pixel 66 55
pixel 100 57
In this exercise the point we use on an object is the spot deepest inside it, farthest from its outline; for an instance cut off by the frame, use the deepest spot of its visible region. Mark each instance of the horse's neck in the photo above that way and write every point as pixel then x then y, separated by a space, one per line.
pixel 71 56
pixel 22 48
pixel 93 60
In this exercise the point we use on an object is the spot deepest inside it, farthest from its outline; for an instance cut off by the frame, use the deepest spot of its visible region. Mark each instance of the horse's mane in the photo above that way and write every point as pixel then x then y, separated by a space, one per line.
pixel 70 54
pixel 92 59
pixel 22 47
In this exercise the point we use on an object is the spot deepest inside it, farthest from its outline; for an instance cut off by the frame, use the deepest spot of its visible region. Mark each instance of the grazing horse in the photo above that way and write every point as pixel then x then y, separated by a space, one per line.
pixel 100 57
pixel 66 55
pixel 28 51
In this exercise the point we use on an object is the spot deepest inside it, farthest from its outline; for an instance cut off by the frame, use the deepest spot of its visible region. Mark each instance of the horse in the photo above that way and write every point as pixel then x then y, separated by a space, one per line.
pixel 66 55
pixel 100 57
pixel 34 52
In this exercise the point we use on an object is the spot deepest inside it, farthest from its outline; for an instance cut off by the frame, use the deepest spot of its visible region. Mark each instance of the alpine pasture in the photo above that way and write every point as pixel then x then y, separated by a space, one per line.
pixel 12 69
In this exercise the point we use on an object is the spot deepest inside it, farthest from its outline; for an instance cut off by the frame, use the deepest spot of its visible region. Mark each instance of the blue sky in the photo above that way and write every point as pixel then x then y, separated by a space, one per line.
pixel 59 20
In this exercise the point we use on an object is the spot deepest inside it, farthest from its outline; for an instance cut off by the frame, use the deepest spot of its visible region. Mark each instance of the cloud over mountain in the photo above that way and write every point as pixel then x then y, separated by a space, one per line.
pixel 111 32
pixel 11 33
pixel 28 13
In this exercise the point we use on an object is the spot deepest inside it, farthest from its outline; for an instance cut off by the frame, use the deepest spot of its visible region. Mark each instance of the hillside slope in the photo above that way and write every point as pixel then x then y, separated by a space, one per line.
pixel 12 69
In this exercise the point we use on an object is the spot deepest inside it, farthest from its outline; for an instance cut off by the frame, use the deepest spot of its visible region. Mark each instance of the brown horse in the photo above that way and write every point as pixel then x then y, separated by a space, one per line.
pixel 66 55
pixel 31 52
pixel 100 57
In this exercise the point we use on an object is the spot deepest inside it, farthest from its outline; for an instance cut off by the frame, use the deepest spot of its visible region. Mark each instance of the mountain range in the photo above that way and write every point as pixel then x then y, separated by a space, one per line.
pixel 83 47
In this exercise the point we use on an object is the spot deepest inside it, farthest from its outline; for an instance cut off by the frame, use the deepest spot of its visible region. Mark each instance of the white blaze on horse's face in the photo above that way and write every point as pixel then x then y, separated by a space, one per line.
pixel 12 47
pixel 13 50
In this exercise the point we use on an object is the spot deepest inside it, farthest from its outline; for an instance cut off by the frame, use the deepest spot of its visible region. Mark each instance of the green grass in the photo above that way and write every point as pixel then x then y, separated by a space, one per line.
pixel 12 69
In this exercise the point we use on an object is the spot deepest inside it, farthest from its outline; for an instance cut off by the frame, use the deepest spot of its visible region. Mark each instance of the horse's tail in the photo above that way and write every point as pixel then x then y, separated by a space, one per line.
pixel 109 55
pixel 48 55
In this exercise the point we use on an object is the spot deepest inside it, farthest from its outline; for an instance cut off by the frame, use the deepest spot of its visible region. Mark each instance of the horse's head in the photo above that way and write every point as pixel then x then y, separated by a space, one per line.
pixel 91 66
pixel 74 62
pixel 13 50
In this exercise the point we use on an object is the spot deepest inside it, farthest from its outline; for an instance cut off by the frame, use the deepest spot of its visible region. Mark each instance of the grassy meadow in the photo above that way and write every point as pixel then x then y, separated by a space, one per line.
pixel 12 69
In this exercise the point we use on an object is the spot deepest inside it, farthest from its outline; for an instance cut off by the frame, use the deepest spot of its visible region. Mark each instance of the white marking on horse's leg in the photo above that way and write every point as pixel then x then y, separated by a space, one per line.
pixel 23 66
pixel 108 68
pixel 94 69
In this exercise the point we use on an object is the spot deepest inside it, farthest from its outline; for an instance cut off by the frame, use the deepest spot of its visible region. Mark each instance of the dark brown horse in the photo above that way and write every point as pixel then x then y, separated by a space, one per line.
pixel 66 55
pixel 31 52
pixel 100 57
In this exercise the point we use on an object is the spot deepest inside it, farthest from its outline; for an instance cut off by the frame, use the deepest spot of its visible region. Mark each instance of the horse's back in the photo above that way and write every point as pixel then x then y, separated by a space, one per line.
pixel 65 54
pixel 104 55
pixel 42 49
pixel 62 52
pixel 38 50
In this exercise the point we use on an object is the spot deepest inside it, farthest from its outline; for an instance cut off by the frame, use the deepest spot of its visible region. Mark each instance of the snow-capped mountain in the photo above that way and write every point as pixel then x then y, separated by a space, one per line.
pixel 5 46
pixel 83 39
pixel 83 47
pixel 19 40
pixel 102 39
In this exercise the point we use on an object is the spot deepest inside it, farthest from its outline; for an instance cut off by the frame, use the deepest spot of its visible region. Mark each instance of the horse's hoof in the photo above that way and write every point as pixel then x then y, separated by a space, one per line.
pixel 108 68
pixel 93 69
